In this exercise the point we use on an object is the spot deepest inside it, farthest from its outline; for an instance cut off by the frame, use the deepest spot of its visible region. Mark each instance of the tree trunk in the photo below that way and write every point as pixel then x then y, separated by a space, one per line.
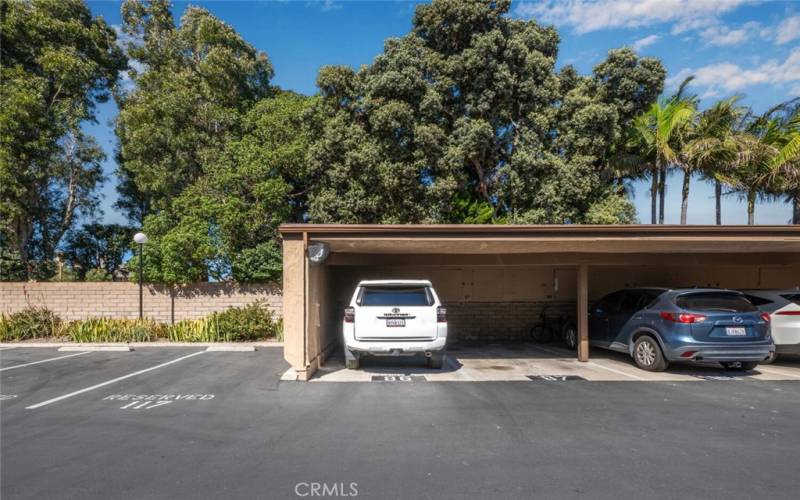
pixel 751 207
pixel 718 200
pixel 687 177
pixel 654 194
pixel 662 188
pixel 796 208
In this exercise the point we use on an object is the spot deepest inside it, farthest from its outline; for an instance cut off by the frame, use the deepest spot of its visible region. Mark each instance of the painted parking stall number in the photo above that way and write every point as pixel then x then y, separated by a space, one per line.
pixel 151 401
pixel 555 378
pixel 398 378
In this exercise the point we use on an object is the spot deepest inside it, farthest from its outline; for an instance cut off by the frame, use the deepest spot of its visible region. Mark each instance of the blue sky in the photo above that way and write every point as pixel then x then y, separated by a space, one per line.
pixel 732 46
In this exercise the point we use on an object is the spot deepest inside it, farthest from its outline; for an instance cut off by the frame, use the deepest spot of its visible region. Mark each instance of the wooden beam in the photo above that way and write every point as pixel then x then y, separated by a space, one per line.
pixel 677 260
pixel 583 312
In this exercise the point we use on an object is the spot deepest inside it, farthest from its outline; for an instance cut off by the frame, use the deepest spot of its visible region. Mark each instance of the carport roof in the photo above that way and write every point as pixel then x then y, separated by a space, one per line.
pixel 573 238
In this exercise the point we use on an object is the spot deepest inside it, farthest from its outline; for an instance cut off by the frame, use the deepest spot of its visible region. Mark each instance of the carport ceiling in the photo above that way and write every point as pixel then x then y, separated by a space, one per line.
pixel 534 239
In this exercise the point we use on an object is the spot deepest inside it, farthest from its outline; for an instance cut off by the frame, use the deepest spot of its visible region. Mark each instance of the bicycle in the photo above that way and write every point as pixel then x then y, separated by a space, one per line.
pixel 559 327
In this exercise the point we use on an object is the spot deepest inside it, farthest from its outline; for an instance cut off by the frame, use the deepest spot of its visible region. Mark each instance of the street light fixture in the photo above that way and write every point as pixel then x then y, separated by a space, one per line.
pixel 140 239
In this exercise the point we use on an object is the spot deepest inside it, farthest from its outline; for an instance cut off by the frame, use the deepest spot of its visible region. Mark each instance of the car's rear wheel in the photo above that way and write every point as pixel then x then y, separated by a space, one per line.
pixel 648 356
pixel 541 333
pixel 741 366
pixel 436 361
pixel 570 335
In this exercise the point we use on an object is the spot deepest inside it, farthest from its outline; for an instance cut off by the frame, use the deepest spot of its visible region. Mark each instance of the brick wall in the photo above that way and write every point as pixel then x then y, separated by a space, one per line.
pixel 500 321
pixel 121 300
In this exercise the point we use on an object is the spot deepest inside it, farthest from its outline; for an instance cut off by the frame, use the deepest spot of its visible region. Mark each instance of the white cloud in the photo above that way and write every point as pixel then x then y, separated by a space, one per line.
pixel 788 30
pixel 592 15
pixel 795 91
pixel 644 42
pixel 720 35
pixel 730 77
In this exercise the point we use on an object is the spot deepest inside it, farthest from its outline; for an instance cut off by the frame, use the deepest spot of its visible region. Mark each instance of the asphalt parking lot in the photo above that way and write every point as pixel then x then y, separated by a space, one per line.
pixel 180 422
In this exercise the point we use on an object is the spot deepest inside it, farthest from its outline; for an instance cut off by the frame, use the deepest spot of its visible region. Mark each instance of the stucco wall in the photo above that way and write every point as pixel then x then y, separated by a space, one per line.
pixel 121 300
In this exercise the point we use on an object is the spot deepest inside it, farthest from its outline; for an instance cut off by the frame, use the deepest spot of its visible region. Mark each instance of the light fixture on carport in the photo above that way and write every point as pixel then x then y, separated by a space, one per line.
pixel 318 252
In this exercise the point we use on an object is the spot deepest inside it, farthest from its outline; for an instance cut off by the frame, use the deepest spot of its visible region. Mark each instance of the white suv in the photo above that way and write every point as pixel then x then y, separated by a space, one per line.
pixel 395 318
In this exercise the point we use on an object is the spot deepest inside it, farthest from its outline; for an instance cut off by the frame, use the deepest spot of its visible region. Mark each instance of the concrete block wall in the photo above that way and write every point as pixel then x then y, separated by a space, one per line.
pixel 500 321
pixel 73 301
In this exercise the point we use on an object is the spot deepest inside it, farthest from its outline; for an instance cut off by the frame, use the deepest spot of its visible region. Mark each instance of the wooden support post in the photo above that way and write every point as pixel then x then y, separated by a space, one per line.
pixel 583 312
pixel 294 304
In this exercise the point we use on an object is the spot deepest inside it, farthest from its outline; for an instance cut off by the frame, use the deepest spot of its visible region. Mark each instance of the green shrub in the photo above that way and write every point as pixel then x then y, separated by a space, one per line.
pixel 195 330
pixel 252 322
pixel 115 330
pixel 98 274
pixel 30 323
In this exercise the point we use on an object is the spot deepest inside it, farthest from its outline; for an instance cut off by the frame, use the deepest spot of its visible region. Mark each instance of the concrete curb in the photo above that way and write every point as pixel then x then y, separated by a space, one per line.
pixel 230 348
pixel 111 348
pixel 83 346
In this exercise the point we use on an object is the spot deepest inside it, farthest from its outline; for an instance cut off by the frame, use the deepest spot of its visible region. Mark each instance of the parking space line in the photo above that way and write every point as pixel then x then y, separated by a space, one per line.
pixel 620 372
pixel 109 382
pixel 43 361
pixel 777 372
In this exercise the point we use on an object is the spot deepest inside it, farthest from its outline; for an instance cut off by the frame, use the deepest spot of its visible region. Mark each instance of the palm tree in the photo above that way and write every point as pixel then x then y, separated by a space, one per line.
pixel 711 149
pixel 655 137
pixel 754 174
pixel 767 156
pixel 787 162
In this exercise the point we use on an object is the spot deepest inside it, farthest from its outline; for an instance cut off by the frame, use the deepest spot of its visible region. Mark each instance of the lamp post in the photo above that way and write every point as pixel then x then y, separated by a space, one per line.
pixel 140 239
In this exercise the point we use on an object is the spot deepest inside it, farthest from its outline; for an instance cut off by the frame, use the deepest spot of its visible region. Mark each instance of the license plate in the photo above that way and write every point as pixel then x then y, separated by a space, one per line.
pixel 737 331
pixel 395 322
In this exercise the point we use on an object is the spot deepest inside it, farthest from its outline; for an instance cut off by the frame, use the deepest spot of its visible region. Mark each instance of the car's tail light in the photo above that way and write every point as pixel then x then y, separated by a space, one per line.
pixel 688 354
pixel 441 315
pixel 349 314
pixel 788 313
pixel 766 317
pixel 683 317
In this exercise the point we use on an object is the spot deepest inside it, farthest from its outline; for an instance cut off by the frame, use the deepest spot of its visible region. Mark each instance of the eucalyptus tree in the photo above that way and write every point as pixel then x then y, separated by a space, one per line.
pixel 466 119
pixel 57 61
pixel 190 85
pixel 209 150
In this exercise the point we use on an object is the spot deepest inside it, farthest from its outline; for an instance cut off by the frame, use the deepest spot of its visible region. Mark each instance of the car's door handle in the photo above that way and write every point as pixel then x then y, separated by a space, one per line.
pixel 638 317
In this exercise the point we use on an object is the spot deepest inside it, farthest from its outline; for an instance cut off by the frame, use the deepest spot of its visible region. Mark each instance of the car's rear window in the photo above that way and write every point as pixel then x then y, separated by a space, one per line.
pixel 758 301
pixel 792 297
pixel 715 302
pixel 395 296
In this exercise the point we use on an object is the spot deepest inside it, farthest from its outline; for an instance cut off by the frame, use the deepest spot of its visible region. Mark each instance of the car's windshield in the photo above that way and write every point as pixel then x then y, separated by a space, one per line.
pixel 715 302
pixel 396 296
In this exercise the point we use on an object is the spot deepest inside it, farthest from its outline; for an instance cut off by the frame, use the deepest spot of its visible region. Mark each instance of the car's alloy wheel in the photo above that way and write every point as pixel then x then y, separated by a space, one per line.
pixel 646 353
pixel 648 356
pixel 570 336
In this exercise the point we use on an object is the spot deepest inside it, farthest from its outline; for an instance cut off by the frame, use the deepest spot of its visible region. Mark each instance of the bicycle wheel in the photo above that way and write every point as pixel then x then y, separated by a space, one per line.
pixel 540 333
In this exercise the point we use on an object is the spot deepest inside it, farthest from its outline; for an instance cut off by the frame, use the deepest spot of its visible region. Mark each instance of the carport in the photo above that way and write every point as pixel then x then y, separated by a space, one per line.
pixel 496 279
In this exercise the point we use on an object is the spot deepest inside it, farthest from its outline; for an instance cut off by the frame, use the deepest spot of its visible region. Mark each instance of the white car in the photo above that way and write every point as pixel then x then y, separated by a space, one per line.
pixel 783 307
pixel 395 318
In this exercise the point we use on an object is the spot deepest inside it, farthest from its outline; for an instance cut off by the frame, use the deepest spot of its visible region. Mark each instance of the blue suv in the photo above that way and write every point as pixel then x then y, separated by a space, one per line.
pixel 657 326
